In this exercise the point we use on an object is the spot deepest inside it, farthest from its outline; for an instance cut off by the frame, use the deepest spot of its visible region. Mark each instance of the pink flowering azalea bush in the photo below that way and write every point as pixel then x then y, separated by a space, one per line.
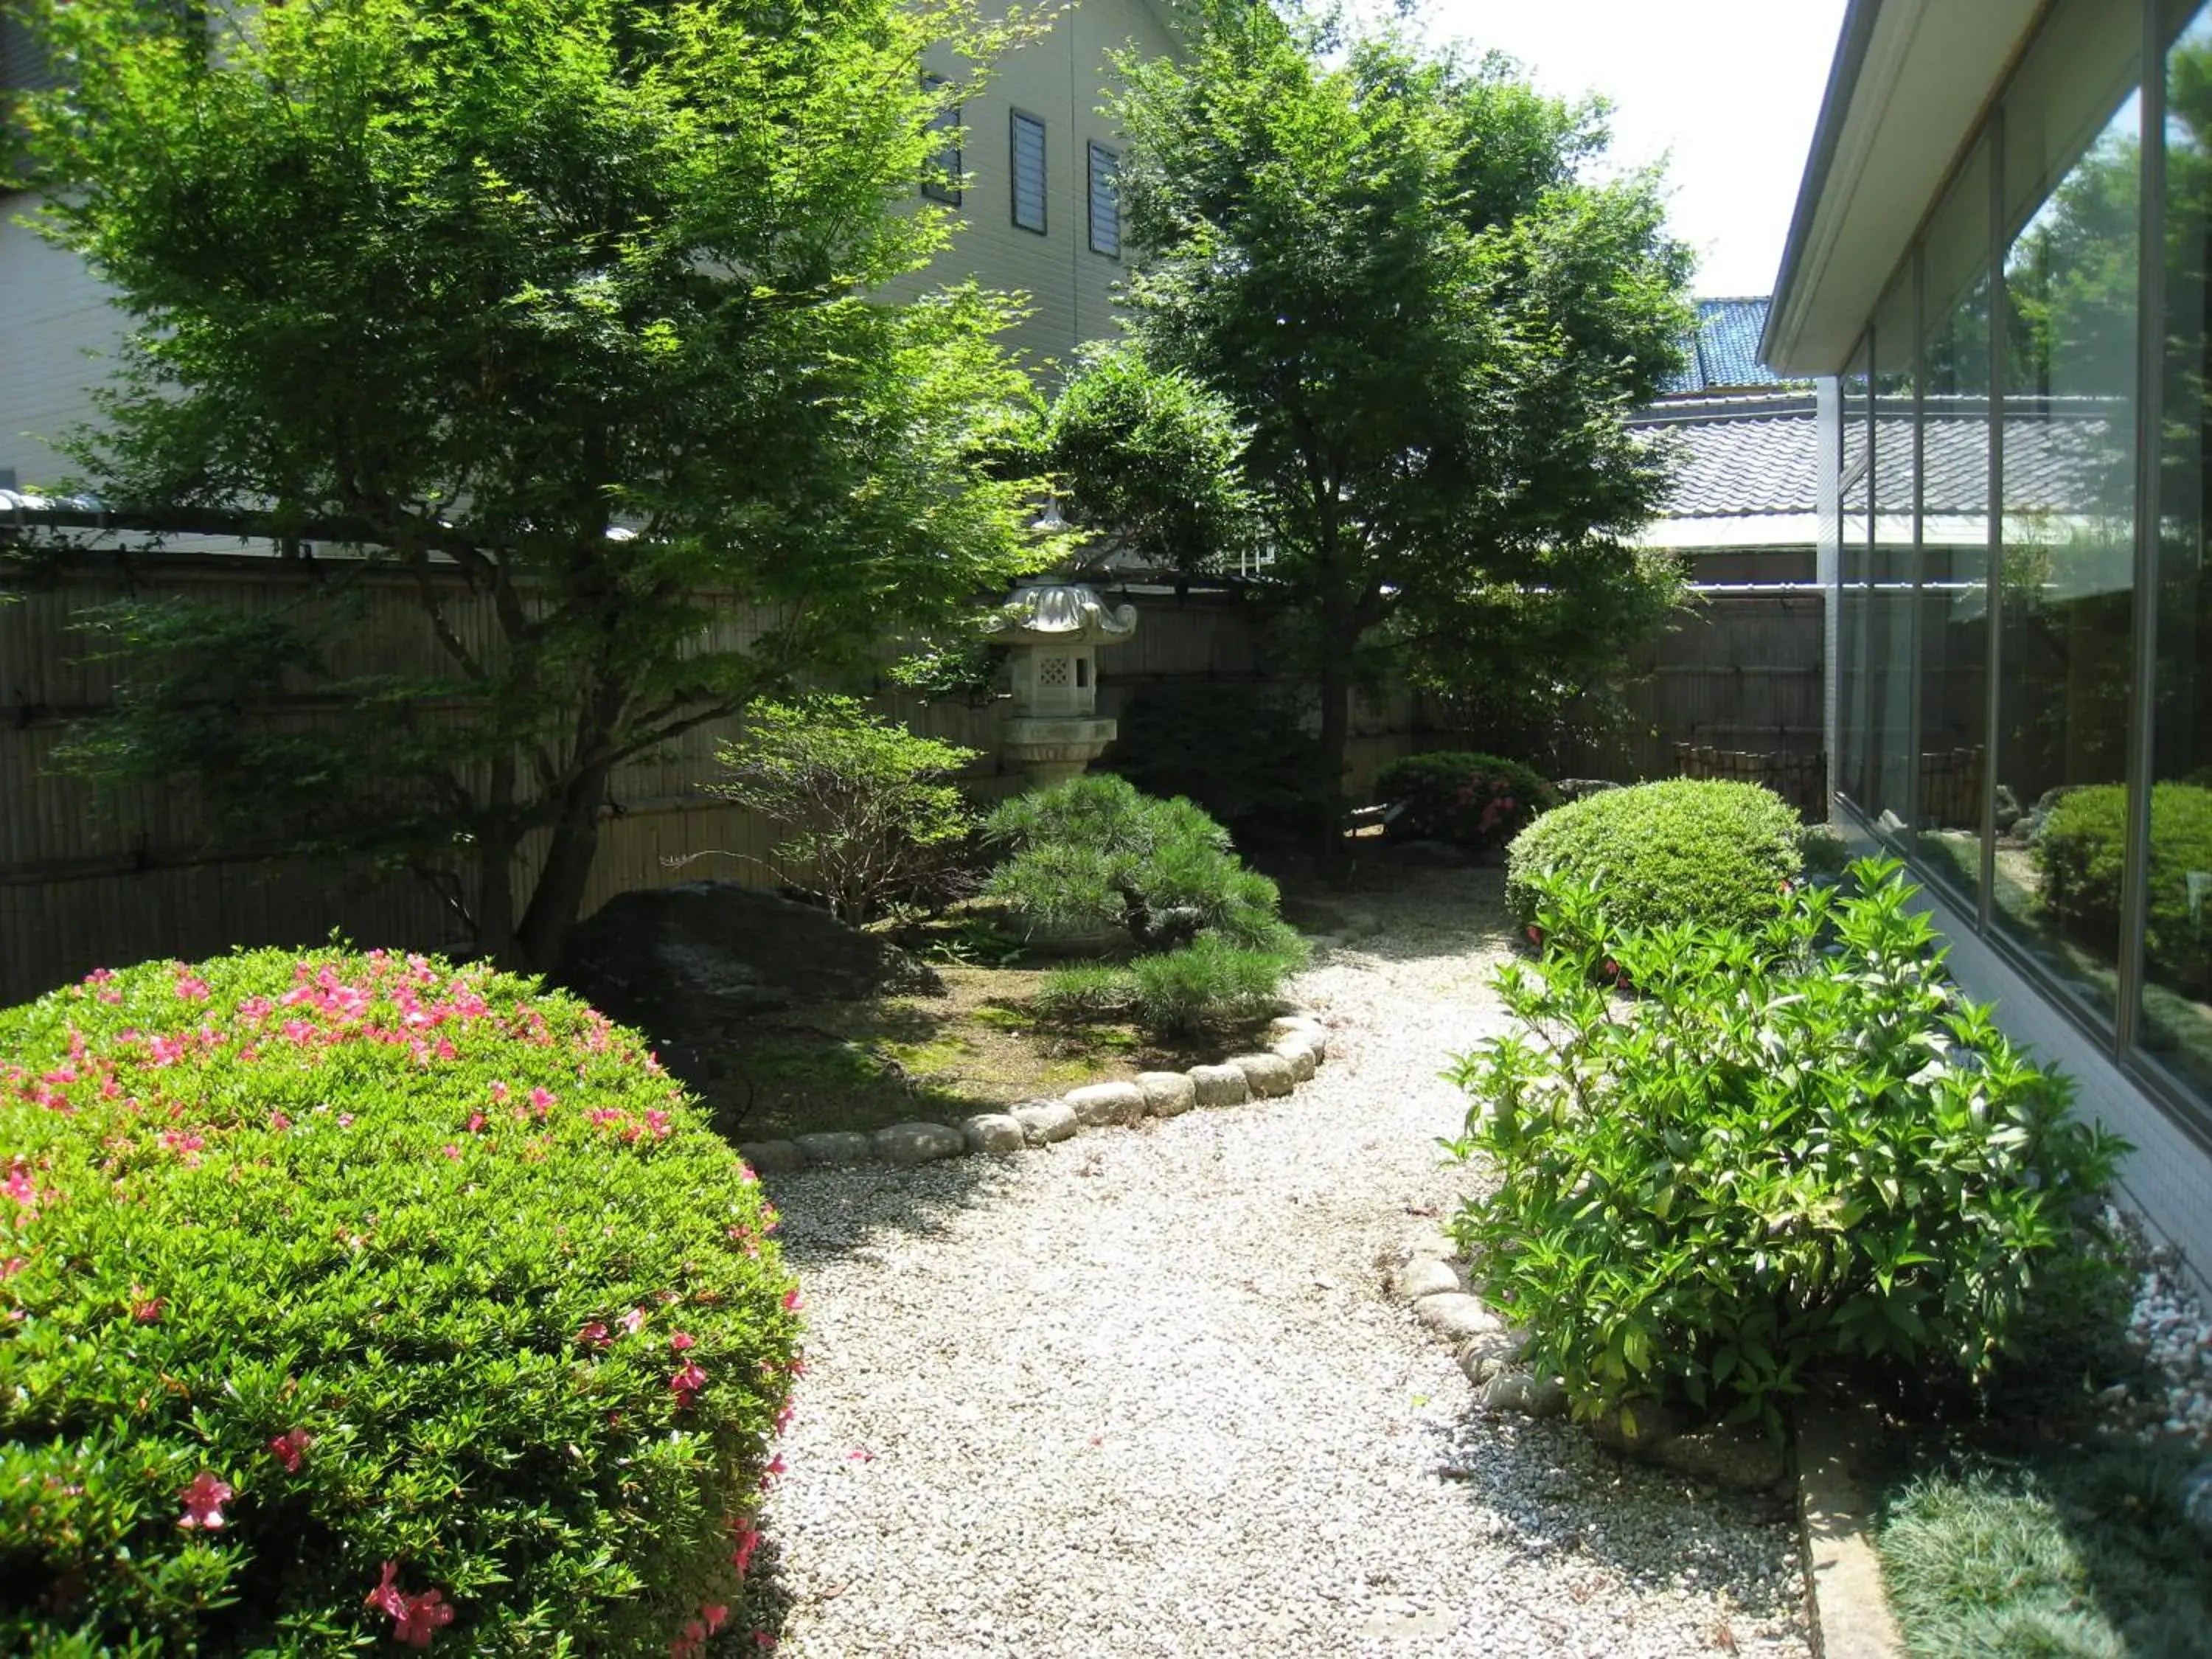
pixel 1477 802
pixel 366 1303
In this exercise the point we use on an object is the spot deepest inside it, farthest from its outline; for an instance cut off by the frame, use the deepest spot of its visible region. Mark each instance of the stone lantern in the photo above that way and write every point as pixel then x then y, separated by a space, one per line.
pixel 1056 629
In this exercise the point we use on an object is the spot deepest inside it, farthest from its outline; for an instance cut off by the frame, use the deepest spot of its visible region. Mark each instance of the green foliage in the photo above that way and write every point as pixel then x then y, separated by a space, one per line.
pixel 1212 981
pixel 1679 851
pixel 1786 1156
pixel 603 283
pixel 1475 801
pixel 347 1296
pixel 1822 851
pixel 868 802
pixel 1151 458
pixel 2080 855
pixel 1094 852
pixel 1085 990
pixel 1236 751
pixel 2080 1552
pixel 1429 311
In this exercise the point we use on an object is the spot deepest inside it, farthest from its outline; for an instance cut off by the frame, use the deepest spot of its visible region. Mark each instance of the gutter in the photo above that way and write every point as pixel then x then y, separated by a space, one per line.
pixel 1859 20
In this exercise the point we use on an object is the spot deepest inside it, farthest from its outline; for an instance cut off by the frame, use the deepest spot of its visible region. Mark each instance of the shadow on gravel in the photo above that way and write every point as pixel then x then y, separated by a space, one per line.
pixel 1599 1521
pixel 1419 915
pixel 828 1212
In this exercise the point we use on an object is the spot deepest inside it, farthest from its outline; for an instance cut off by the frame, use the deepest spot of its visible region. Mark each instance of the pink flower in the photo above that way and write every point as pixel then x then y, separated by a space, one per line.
pixel 594 1334
pixel 680 1340
pixel 498 1093
pixel 713 1614
pixel 748 1539
pixel 204 1502
pixel 13 1265
pixel 191 988
pixel 287 1448
pixel 279 1122
pixel 452 1151
pixel 148 1312
pixel 345 1120
pixel 657 1122
pixel 791 1300
pixel 686 1384
pixel 543 1101
pixel 476 1122
pixel 634 1320
pixel 415 1619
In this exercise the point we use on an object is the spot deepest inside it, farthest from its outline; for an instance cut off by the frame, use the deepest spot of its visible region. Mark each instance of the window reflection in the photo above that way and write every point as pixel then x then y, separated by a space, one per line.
pixel 1853 500
pixel 1953 639
pixel 2176 1020
pixel 2067 565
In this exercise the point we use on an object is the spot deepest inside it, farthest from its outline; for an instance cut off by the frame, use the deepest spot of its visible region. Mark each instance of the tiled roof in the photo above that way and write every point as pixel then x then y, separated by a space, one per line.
pixel 1724 352
pixel 1760 453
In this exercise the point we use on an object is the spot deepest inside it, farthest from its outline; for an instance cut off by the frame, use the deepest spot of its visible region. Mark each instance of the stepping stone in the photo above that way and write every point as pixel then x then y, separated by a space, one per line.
pixel 918 1143
pixel 1266 1074
pixel 1100 1103
pixel 1167 1094
pixel 997 1132
pixel 835 1147
pixel 1220 1085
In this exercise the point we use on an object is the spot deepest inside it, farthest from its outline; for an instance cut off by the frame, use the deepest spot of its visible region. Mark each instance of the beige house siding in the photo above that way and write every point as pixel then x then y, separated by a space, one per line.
pixel 1060 80
pixel 54 316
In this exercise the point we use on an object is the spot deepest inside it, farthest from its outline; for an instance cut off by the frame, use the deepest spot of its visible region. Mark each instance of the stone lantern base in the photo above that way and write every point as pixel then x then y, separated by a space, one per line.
pixel 1052 750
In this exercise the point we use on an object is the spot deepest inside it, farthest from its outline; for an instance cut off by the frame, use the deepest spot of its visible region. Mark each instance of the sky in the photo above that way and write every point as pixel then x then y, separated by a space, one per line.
pixel 1727 89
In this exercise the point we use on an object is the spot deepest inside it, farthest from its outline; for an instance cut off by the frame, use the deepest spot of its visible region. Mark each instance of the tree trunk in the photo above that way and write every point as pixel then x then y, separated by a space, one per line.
pixel 560 891
pixel 1335 740
pixel 495 900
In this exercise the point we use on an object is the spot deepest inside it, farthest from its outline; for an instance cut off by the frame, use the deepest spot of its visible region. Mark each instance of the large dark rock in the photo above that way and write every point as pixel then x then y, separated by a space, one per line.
pixel 683 964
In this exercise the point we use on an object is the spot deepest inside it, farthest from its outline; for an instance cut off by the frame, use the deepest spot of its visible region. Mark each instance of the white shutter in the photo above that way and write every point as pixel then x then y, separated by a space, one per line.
pixel 1105 201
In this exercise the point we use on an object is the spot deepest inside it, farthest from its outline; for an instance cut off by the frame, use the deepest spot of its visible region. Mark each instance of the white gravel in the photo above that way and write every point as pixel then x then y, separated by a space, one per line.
pixel 1144 1392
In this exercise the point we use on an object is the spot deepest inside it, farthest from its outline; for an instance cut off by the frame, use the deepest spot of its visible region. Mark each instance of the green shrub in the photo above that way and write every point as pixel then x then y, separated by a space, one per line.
pixel 1209 981
pixel 1683 850
pixel 350 1299
pixel 2079 856
pixel 1085 990
pixel 1796 1154
pixel 871 813
pixel 1093 852
pixel 1475 801
pixel 1237 753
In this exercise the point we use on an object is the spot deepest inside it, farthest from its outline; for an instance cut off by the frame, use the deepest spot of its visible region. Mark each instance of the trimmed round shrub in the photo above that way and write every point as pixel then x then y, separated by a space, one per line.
pixel 1478 802
pixel 351 1300
pixel 1685 850
pixel 2080 855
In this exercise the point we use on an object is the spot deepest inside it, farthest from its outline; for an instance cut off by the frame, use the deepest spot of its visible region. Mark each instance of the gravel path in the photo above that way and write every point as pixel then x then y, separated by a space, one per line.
pixel 1144 1393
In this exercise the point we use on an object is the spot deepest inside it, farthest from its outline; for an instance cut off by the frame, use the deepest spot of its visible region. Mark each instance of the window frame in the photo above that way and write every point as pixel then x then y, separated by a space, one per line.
pixel 1015 118
pixel 945 121
pixel 1092 151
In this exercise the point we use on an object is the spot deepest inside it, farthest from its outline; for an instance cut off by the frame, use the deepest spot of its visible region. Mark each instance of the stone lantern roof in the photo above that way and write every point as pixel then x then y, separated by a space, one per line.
pixel 1061 613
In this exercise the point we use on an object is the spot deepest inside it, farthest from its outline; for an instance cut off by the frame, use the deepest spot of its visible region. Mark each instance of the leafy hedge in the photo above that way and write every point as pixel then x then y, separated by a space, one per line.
pixel 1679 851
pixel 2080 854
pixel 1804 1151
pixel 350 1299
pixel 1473 801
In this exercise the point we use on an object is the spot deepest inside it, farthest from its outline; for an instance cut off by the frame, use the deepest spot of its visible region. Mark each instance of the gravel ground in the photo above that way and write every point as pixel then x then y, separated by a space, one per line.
pixel 1145 1392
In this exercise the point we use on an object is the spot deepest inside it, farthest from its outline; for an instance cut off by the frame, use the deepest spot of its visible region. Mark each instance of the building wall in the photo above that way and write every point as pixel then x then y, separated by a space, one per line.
pixel 1062 80
pixel 54 316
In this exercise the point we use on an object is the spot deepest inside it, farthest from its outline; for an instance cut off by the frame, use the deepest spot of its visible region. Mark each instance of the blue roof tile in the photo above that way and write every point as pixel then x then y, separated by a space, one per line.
pixel 1725 353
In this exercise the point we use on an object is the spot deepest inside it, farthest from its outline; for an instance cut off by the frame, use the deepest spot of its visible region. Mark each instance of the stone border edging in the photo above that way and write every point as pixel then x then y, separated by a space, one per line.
pixel 1847 1612
pixel 1297 1044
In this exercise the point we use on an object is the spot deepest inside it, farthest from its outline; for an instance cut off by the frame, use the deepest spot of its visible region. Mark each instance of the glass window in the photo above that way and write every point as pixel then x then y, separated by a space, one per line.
pixel 940 176
pixel 2066 571
pixel 1953 644
pixel 1026 141
pixel 1890 743
pixel 1105 201
pixel 1853 502
pixel 2176 1020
